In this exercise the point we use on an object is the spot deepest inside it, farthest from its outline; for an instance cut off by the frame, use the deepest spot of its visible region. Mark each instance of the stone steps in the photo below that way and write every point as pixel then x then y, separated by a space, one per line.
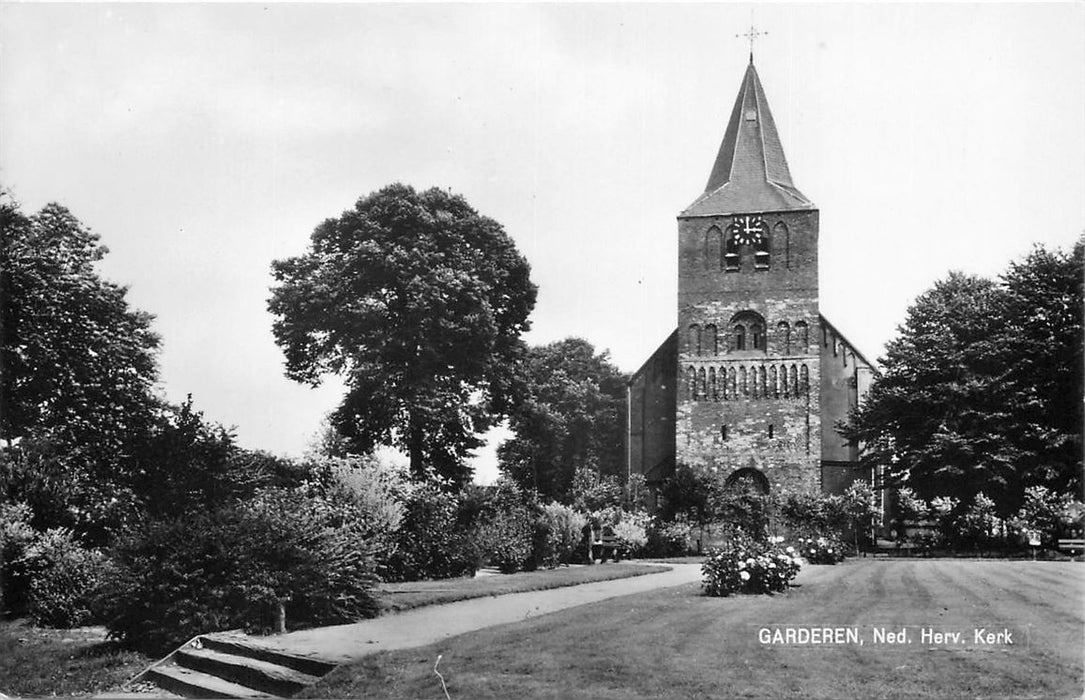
pixel 228 666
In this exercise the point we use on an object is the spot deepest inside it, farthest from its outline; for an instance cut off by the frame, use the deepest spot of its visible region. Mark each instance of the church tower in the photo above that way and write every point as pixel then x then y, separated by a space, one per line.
pixel 748 340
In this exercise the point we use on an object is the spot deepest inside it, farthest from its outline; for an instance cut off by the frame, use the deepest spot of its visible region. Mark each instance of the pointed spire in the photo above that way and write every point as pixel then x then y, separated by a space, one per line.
pixel 750 173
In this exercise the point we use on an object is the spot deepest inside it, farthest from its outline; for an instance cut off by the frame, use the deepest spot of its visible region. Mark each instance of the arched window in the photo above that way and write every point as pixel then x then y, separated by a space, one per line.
pixel 713 387
pixel 757 333
pixel 748 331
pixel 754 389
pixel 742 385
pixel 709 340
pixel 783 337
pixel 713 241
pixel 761 256
pixel 802 333
pixel 774 387
pixel 731 260
pixel 762 381
pixel 804 380
pixel 694 339
pixel 691 383
pixel 732 383
pixel 784 388
pixel 781 232
pixel 702 388
pixel 793 380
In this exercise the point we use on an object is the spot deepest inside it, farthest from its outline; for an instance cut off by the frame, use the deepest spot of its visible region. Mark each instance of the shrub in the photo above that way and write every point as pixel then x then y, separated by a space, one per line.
pixel 506 539
pixel 434 541
pixel 629 527
pixel 180 576
pixel 559 535
pixel 592 491
pixel 376 490
pixel 977 524
pixel 825 549
pixel 667 539
pixel 910 509
pixel 1040 512
pixel 745 511
pixel 16 535
pixel 944 512
pixel 632 533
pixel 746 565
pixel 62 576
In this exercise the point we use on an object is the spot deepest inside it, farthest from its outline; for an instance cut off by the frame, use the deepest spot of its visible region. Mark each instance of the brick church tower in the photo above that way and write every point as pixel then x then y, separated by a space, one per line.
pixel 754 379
pixel 747 299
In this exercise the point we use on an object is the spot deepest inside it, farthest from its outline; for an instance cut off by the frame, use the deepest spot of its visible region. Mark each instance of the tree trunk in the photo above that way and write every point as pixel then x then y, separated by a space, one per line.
pixel 415 448
pixel 280 617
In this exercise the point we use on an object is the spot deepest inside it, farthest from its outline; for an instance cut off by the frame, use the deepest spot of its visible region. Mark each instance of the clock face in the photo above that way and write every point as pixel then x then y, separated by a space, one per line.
pixel 749 230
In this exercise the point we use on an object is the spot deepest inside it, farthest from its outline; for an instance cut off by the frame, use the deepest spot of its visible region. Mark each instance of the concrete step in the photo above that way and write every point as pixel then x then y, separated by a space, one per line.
pixel 264 676
pixel 242 646
pixel 196 684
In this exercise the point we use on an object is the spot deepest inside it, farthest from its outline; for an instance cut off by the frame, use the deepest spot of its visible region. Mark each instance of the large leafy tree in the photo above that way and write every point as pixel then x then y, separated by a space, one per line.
pixel 1044 345
pixel 981 390
pixel 419 302
pixel 77 370
pixel 569 416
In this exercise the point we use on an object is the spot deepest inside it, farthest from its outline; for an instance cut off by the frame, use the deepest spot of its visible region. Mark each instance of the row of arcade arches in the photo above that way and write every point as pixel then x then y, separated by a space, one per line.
pixel 747 382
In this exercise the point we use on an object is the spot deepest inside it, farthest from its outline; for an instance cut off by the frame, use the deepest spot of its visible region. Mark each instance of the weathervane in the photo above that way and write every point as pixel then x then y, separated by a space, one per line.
pixel 751 35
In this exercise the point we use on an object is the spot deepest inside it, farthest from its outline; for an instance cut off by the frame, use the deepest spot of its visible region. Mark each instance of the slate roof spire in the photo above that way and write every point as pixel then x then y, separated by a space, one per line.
pixel 750 173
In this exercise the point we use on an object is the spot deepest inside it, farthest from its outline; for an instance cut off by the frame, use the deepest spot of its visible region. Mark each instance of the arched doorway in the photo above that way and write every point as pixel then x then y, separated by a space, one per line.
pixel 748 480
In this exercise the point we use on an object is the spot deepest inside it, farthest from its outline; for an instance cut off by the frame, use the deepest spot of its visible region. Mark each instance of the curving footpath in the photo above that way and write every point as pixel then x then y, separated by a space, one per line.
pixel 232 665
pixel 422 626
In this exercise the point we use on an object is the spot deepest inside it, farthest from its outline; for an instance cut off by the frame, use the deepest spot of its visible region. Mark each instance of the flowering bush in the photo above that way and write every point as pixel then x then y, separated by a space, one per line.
pixel 747 566
pixel 631 529
pixel 559 534
pixel 820 550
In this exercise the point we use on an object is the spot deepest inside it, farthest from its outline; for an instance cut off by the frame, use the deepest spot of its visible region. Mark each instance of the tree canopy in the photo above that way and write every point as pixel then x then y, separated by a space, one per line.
pixel 419 302
pixel 78 368
pixel 982 389
pixel 568 415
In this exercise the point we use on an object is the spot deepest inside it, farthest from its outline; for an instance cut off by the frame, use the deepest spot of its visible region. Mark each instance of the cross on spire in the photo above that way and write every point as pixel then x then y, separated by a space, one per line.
pixel 751 35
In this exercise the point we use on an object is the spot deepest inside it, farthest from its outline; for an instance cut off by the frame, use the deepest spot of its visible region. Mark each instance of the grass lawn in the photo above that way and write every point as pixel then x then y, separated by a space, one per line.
pixel 415 594
pixel 677 643
pixel 42 662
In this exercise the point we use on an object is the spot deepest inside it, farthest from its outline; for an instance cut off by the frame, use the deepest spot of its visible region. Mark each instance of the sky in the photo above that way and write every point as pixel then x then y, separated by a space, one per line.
pixel 204 141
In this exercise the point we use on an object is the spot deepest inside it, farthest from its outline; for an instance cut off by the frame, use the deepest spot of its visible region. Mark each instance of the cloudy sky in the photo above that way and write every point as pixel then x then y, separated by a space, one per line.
pixel 204 141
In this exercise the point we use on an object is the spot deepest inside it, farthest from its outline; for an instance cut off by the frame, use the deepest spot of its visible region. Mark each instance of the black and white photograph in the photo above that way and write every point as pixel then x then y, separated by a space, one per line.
pixel 579 350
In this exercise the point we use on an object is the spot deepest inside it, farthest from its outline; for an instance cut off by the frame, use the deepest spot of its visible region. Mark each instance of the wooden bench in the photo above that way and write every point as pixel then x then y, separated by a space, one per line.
pixel 1072 545
pixel 603 541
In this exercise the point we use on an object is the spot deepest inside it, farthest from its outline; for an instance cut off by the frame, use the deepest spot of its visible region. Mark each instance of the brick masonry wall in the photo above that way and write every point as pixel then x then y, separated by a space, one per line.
pixel 651 411
pixel 710 296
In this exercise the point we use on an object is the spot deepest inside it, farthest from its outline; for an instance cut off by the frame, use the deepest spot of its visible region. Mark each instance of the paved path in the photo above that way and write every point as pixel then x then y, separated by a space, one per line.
pixel 422 626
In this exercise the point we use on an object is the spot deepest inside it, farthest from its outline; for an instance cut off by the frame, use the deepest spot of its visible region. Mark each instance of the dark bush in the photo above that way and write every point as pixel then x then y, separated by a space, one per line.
pixel 433 540
pixel 667 539
pixel 506 538
pixel 178 577
pixel 16 535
